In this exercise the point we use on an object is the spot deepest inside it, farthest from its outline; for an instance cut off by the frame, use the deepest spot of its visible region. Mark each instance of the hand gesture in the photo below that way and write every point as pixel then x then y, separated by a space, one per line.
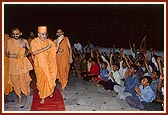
pixel 137 89
pixel 158 59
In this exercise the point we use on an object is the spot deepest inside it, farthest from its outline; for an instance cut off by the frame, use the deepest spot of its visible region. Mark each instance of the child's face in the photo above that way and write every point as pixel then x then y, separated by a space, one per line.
pixel 144 82
pixel 154 75
pixel 132 70
pixel 103 66
pixel 124 65
pixel 115 68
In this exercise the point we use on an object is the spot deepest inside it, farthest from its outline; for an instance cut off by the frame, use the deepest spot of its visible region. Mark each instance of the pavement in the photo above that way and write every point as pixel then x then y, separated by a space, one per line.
pixel 85 96
pixel 79 96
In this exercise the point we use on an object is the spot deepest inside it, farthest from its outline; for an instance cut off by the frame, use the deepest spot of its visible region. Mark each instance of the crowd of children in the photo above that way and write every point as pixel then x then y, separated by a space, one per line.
pixel 132 77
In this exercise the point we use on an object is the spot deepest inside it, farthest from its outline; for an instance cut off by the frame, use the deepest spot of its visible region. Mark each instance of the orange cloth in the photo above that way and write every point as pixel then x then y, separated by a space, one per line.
pixel 63 57
pixel 19 69
pixel 7 87
pixel 45 67
pixel 29 56
pixel 42 29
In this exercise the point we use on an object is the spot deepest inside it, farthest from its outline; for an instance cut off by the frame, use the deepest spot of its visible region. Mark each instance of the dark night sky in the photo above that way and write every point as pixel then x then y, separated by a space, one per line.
pixel 103 24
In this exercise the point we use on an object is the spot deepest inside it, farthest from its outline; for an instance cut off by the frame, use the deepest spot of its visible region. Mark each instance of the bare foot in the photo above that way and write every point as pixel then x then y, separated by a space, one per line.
pixel 51 95
pixel 42 101
pixel 19 100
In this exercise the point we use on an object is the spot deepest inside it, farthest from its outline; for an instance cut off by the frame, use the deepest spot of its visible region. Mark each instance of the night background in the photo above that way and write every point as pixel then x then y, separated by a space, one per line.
pixel 103 24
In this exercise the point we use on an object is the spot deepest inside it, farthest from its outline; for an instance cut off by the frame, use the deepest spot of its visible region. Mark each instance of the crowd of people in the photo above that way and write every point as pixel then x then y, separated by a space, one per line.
pixel 133 77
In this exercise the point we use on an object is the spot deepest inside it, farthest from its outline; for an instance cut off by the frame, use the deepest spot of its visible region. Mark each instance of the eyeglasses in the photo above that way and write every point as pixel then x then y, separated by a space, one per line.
pixel 44 34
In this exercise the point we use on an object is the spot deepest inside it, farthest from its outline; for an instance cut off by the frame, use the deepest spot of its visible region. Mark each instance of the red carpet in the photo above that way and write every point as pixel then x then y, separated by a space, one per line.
pixel 55 103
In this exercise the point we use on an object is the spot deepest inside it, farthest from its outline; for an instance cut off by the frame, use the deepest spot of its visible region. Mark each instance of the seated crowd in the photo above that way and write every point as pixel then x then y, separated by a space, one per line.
pixel 133 77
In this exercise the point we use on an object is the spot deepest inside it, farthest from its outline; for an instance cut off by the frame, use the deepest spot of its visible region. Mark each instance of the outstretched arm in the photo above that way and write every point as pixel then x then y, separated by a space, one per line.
pixel 42 50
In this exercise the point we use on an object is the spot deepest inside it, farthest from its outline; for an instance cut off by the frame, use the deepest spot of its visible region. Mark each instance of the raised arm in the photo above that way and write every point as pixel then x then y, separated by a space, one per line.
pixel 126 60
pixel 91 53
pixel 97 56
pixel 147 66
pixel 121 53
pixel 111 60
pixel 159 64
pixel 143 42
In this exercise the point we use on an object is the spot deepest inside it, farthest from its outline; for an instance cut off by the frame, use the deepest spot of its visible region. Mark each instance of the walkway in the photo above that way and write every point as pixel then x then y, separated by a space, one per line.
pixel 79 96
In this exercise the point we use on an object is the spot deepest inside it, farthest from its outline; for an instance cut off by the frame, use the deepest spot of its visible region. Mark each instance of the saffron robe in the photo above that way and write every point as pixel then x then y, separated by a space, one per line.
pixel 44 66
pixel 19 69
pixel 63 57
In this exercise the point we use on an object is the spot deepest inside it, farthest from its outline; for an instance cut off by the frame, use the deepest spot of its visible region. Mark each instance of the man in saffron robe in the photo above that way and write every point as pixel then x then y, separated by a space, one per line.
pixel 63 57
pixel 43 53
pixel 19 65
pixel 7 87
